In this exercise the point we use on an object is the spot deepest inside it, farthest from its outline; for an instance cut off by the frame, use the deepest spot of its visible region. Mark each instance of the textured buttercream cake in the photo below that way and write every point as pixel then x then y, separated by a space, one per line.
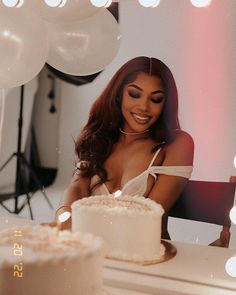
pixel 39 260
pixel 131 226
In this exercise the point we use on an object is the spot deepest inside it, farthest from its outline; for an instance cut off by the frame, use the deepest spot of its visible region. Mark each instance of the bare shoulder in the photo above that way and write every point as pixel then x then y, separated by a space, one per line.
pixel 184 139
pixel 180 151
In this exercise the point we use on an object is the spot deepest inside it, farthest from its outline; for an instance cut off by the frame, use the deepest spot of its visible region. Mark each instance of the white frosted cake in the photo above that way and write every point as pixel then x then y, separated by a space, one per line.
pixel 38 260
pixel 131 226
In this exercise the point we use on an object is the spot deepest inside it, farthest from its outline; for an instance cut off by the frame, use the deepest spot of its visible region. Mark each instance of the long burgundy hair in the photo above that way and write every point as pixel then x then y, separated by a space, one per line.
pixel 101 132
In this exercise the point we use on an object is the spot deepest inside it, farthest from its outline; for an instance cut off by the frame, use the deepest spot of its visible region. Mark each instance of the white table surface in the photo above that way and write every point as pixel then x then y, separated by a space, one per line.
pixel 195 270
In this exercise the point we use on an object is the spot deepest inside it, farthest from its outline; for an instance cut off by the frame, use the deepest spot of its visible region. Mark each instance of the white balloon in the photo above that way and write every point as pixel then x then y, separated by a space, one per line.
pixel 85 47
pixel 67 11
pixel 23 46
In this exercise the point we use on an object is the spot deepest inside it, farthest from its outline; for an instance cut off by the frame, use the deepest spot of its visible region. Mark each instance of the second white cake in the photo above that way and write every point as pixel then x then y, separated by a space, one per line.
pixel 131 226
pixel 39 260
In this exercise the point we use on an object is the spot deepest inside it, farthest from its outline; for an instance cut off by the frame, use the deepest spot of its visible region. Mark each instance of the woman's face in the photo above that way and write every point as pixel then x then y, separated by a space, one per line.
pixel 142 102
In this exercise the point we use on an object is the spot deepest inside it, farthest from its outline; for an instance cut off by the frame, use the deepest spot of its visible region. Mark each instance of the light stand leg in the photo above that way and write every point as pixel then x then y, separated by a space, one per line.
pixel 9 160
pixel 18 158
pixel 21 164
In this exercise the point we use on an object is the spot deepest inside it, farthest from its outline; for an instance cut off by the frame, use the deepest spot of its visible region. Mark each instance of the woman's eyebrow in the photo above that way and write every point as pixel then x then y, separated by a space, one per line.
pixel 135 86
pixel 158 91
pixel 139 88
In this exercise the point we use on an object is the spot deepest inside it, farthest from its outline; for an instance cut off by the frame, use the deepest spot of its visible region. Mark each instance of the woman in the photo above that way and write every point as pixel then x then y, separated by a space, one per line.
pixel 132 141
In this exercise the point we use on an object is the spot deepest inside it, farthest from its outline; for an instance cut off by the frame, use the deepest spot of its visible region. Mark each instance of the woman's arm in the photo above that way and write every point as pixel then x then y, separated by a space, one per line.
pixel 167 187
pixel 78 189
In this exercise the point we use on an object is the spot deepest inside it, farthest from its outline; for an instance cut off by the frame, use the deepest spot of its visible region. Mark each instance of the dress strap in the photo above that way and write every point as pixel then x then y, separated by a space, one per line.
pixel 183 171
pixel 154 157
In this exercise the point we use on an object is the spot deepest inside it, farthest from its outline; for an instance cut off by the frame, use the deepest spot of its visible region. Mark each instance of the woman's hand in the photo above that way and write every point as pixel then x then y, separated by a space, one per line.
pixel 60 225
pixel 52 223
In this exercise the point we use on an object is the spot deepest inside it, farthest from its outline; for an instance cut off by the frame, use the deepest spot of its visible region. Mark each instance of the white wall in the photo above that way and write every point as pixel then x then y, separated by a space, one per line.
pixel 199 47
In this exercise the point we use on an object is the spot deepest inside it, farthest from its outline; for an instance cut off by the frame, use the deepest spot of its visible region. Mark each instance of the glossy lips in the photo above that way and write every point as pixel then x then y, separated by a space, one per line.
pixel 141 119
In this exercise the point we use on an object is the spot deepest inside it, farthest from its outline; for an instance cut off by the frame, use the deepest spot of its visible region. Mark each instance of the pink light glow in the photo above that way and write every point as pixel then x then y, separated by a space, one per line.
pixel 208 81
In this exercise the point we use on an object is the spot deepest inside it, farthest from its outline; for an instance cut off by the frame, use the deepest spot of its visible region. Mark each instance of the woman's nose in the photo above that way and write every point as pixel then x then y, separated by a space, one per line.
pixel 143 104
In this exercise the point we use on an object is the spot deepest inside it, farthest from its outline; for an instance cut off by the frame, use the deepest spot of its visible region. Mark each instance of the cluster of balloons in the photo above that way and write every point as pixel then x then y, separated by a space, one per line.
pixel 75 37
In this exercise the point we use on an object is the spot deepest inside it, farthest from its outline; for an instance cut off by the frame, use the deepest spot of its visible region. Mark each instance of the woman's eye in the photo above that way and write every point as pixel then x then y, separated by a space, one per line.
pixel 157 100
pixel 134 94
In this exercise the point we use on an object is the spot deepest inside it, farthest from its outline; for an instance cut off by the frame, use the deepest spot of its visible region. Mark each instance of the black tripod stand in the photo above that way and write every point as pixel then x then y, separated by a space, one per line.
pixel 23 173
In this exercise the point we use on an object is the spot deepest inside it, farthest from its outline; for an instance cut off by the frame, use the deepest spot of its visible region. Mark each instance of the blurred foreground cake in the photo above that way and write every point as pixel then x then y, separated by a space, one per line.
pixel 39 260
pixel 131 226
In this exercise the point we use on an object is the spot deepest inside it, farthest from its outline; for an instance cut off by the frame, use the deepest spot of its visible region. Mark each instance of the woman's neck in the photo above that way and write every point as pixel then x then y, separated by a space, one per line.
pixel 131 136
